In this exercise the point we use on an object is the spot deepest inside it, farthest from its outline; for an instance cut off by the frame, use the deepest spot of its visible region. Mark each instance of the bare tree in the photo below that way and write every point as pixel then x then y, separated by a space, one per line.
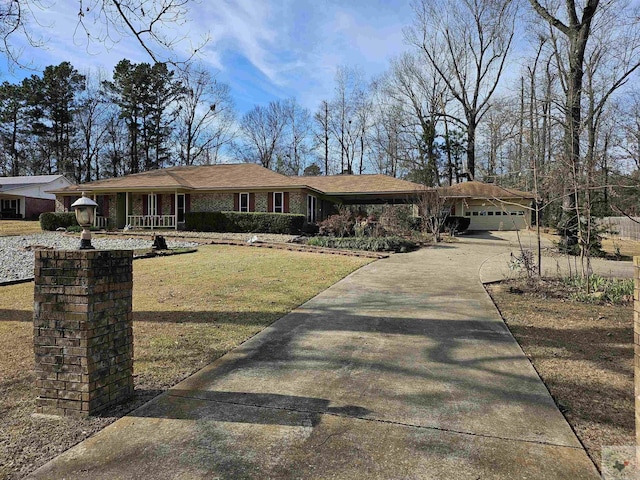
pixel 434 212
pixel 467 43
pixel 322 123
pixel 347 123
pixel 423 96
pixel 91 120
pixel 99 21
pixel 595 51
pixel 206 116
pixel 261 133
pixel 296 138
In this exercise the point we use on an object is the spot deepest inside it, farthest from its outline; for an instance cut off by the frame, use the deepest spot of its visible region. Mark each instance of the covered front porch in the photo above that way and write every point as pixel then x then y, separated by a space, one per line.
pixel 160 209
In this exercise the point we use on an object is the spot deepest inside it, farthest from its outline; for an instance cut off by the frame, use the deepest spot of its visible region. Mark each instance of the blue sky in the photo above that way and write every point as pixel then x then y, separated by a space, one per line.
pixel 264 50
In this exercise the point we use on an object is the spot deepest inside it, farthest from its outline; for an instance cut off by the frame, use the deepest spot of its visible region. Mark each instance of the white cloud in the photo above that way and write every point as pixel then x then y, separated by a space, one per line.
pixel 264 49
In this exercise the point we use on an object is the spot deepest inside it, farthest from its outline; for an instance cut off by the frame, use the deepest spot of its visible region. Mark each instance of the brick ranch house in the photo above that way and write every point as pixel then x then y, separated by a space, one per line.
pixel 160 198
pixel 29 196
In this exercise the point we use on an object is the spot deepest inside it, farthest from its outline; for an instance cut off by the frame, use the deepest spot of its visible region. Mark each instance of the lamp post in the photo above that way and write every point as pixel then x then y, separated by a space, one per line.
pixel 85 209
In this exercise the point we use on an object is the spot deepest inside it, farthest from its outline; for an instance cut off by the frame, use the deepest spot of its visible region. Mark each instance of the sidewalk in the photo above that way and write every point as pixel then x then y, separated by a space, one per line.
pixel 402 370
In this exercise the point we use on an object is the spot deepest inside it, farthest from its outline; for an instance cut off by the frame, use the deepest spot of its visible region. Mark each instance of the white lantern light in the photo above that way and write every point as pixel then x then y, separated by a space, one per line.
pixel 85 210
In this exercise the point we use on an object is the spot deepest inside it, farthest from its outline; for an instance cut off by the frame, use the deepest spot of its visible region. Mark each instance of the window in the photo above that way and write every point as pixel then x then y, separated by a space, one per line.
pixel 467 214
pixel 475 214
pixel 490 213
pixel 152 204
pixel 514 213
pixel 483 213
pixel 11 204
pixel 311 208
pixel 278 202
pixel 244 202
pixel 181 207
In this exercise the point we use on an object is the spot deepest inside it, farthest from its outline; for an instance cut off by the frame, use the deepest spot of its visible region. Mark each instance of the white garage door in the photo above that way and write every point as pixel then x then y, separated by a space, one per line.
pixel 495 218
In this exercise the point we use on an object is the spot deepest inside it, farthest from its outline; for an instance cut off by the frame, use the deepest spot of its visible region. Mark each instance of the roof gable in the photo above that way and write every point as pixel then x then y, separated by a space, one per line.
pixel 11 183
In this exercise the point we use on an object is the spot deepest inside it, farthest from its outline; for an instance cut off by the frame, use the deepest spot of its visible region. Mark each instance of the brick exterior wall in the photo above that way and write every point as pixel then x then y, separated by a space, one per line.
pixel 298 203
pixel 168 200
pixel 33 207
pixel 262 200
pixel 83 336
pixel 211 202
pixel 135 204
pixel 59 205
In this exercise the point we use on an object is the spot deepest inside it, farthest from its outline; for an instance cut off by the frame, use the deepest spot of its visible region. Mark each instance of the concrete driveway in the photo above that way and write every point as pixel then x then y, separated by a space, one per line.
pixel 404 369
pixel 496 267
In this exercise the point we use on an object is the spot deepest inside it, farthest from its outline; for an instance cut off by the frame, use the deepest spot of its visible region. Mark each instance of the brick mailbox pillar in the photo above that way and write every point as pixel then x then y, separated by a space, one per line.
pixel 83 336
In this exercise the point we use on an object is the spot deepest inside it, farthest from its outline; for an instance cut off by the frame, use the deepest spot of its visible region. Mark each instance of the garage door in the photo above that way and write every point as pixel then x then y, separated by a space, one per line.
pixel 493 218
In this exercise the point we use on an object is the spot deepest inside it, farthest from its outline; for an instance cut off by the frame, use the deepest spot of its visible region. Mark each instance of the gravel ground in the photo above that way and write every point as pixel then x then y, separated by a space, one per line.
pixel 16 252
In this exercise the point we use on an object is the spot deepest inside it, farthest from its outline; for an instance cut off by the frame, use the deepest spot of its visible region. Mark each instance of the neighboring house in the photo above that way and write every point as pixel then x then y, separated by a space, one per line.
pixel 160 198
pixel 489 206
pixel 29 196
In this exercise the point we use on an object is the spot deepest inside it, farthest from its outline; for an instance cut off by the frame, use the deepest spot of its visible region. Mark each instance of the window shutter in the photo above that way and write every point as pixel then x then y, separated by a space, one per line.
pixel 105 205
pixel 252 202
pixel 236 202
pixel 67 204
pixel 270 202
pixel 173 204
pixel 285 201
pixel 145 204
pixel 187 202
pixel 159 204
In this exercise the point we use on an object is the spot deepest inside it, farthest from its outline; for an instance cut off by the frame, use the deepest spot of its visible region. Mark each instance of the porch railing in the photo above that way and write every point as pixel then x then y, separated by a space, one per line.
pixel 100 222
pixel 151 221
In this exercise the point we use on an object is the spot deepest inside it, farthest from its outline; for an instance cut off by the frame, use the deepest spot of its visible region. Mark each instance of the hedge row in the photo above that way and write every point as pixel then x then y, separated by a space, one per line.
pixel 243 222
pixel 52 221
pixel 371 244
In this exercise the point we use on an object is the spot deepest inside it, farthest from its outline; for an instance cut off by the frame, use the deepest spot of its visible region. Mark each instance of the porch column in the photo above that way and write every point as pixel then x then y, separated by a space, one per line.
pixel 126 209
pixel 175 210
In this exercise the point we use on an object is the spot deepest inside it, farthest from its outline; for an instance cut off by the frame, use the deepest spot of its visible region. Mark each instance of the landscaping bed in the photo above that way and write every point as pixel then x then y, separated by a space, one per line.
pixel 188 311
pixel 582 348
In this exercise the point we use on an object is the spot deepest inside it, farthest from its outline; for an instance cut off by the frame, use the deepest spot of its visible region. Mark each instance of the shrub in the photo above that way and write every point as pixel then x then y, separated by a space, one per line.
pixel 52 221
pixel 244 222
pixel 456 224
pixel 399 220
pixel 602 290
pixel 338 225
pixel 372 244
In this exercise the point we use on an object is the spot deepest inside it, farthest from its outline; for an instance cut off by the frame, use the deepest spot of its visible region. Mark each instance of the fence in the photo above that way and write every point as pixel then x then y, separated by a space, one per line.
pixel 622 227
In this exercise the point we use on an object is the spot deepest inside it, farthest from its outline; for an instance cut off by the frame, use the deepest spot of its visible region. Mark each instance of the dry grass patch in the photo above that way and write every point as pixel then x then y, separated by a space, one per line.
pixel 626 248
pixel 188 311
pixel 583 353
pixel 19 227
